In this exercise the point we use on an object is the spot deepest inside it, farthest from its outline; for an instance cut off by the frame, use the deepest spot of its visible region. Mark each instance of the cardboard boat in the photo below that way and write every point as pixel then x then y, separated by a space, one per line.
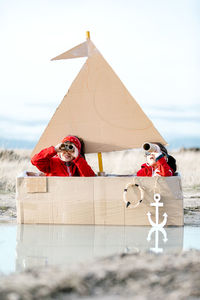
pixel 99 109
pixel 96 200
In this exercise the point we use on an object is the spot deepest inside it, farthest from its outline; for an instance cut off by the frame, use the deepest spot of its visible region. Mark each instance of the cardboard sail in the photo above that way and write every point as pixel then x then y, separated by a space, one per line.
pixel 78 51
pixel 99 109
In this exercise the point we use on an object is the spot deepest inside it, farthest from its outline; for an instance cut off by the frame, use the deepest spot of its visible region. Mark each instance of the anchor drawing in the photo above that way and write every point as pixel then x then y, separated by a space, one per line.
pixel 156 226
pixel 157 204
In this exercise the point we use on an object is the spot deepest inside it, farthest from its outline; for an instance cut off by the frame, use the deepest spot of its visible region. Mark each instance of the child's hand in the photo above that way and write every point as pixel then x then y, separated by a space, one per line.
pixel 157 149
pixel 60 147
pixel 156 154
pixel 75 154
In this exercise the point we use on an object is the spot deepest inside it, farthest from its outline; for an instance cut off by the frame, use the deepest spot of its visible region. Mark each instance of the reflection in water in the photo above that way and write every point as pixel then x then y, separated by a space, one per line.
pixel 156 249
pixel 61 244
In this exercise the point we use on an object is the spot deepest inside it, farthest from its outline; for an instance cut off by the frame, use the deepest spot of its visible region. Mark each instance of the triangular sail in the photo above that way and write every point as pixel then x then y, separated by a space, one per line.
pixel 99 109
pixel 78 51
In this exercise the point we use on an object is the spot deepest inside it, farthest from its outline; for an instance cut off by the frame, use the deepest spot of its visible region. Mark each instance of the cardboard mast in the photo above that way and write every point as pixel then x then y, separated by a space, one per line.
pixel 98 108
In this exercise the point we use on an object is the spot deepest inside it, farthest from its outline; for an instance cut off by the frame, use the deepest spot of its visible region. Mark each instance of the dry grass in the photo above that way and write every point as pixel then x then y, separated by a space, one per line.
pixel 188 163
pixel 129 162
pixel 14 162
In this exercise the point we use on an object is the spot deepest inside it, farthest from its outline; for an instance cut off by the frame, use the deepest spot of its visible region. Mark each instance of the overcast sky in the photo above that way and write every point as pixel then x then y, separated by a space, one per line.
pixel 152 45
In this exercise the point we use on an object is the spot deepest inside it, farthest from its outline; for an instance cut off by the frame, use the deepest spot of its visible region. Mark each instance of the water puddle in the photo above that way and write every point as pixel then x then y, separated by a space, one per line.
pixel 25 246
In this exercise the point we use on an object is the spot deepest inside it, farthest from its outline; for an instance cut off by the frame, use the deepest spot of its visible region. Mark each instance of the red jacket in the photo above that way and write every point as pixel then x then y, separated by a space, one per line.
pixel 49 162
pixel 163 169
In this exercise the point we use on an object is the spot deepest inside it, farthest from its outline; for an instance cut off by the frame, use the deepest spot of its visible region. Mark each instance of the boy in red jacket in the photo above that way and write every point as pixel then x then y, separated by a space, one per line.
pixel 159 163
pixel 63 160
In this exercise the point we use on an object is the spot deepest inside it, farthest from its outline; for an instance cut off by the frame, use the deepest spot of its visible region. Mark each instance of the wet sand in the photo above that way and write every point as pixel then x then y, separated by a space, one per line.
pixel 125 276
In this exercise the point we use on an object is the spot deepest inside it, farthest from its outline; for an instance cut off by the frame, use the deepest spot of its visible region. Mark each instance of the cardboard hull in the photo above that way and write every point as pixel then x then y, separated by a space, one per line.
pixel 96 200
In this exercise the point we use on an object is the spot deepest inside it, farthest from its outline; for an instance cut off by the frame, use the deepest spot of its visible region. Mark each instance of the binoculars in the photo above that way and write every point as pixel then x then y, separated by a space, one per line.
pixel 67 147
pixel 151 147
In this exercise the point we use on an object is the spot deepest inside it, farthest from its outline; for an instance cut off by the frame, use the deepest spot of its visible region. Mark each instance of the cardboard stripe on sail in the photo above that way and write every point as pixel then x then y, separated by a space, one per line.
pixel 99 109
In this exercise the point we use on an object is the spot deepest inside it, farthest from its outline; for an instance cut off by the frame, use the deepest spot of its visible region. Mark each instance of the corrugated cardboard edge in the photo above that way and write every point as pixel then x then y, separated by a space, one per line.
pixel 19 203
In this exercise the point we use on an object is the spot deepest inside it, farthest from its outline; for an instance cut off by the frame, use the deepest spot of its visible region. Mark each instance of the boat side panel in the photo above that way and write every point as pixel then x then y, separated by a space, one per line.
pixel 109 207
pixel 97 200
